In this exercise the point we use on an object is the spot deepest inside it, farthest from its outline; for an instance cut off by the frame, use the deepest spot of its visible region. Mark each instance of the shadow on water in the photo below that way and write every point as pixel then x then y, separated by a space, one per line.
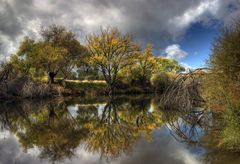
pixel 114 130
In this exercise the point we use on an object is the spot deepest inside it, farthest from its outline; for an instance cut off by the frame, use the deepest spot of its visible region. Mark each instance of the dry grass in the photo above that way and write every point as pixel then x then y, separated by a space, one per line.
pixel 87 81
pixel 32 89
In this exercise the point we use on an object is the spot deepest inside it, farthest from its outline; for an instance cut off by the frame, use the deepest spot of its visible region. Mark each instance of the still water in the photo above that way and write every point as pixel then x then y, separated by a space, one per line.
pixel 121 130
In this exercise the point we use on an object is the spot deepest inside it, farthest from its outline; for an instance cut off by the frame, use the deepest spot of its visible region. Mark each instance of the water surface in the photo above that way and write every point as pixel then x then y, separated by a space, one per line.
pixel 121 130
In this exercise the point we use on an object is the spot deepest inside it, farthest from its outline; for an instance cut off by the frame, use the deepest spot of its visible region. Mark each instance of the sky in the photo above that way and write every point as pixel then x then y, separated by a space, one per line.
pixel 183 30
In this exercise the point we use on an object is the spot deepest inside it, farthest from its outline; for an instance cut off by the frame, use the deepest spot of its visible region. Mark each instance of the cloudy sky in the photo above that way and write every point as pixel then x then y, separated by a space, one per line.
pixel 183 30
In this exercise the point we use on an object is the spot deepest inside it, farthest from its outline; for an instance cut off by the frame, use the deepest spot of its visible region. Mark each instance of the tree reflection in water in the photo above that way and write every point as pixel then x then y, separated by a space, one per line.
pixel 110 129
pixel 114 131
pixel 48 126
pixel 188 126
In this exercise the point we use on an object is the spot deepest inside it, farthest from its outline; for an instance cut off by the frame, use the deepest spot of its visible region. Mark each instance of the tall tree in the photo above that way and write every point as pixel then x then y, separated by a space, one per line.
pixel 110 52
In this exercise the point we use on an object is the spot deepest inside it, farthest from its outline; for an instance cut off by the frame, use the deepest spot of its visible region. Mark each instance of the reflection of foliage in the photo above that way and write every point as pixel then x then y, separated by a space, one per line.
pixel 110 137
pixel 109 129
pixel 111 140
pixel 57 132
pixel 116 129
pixel 49 127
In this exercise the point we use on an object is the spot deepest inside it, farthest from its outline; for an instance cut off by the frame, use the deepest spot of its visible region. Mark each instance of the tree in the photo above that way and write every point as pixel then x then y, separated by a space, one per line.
pixel 226 53
pixel 143 64
pixel 169 65
pixel 146 63
pixel 59 50
pixel 110 52
pixel 49 57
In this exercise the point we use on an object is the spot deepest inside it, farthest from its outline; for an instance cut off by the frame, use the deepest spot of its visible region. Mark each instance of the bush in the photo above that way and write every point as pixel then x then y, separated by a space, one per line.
pixel 231 132
pixel 91 77
pixel 160 81
pixel 91 87
pixel 121 84
pixel 222 83
pixel 15 86
pixel 24 87
pixel 134 90
pixel 32 89
pixel 3 90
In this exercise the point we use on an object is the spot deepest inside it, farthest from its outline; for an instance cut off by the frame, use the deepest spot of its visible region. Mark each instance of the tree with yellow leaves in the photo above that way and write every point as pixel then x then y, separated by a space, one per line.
pixel 110 52
pixel 146 63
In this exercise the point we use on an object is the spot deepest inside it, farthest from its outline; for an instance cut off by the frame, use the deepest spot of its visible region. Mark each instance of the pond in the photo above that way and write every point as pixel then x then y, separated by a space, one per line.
pixel 120 130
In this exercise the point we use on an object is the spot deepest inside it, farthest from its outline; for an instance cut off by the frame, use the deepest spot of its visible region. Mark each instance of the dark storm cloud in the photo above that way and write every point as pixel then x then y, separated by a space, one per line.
pixel 9 23
pixel 148 20
pixel 158 21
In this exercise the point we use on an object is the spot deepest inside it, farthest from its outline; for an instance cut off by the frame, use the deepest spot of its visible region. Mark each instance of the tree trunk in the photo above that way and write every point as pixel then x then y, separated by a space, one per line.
pixel 51 76
pixel 111 90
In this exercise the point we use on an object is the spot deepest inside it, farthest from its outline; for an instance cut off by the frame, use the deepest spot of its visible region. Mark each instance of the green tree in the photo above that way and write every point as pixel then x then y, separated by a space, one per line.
pixel 146 63
pixel 169 65
pixel 59 50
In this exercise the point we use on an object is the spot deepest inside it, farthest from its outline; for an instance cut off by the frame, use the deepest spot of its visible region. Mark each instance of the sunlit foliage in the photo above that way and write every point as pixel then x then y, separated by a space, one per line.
pixel 222 87
pixel 57 51
pixel 110 52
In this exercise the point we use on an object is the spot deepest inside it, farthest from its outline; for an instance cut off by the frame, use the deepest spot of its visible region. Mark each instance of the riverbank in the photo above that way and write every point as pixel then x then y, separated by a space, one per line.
pixel 28 89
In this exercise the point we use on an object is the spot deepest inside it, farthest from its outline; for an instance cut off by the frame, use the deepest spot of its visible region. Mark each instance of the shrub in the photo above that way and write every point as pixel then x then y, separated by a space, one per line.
pixel 160 81
pixel 121 84
pixel 231 132
pixel 15 86
pixel 3 90
pixel 134 90
pixel 32 89
pixel 90 77
pixel 221 85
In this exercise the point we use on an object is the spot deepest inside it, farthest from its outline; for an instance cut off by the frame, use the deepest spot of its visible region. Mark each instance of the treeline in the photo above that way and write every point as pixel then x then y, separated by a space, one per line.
pixel 108 55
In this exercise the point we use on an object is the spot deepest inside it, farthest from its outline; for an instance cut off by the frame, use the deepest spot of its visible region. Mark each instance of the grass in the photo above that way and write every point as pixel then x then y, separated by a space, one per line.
pixel 87 81
pixel 86 87
pixel 91 87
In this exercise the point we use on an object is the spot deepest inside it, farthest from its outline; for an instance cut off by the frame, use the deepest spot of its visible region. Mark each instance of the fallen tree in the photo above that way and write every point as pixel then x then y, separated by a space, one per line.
pixel 184 93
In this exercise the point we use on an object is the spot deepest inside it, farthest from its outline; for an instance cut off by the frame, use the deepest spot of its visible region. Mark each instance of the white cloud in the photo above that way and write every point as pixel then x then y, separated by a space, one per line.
pixel 175 52
pixel 192 15
pixel 186 66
